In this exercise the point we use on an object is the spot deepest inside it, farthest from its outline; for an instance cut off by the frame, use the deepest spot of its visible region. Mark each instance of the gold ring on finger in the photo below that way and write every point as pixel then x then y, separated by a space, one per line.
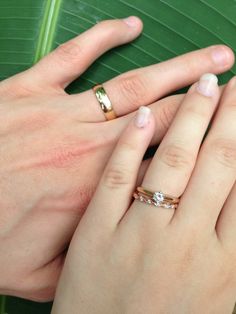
pixel 104 102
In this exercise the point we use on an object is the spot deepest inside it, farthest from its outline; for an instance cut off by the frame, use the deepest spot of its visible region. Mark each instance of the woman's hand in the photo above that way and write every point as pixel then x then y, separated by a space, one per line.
pixel 54 146
pixel 137 258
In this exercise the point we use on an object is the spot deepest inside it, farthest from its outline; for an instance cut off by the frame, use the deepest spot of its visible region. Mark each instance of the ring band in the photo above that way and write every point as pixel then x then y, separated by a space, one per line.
pixel 159 196
pixel 104 102
pixel 157 199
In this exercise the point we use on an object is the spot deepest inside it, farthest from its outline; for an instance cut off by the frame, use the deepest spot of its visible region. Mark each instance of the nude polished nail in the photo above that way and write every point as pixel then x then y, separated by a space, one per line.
pixel 207 85
pixel 142 117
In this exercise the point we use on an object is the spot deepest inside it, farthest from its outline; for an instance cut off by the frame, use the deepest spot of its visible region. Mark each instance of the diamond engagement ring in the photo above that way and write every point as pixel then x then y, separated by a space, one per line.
pixel 157 199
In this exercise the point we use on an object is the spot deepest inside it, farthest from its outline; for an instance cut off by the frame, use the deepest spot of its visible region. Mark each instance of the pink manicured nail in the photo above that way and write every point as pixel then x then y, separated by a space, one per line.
pixel 131 21
pixel 142 117
pixel 207 85
pixel 221 56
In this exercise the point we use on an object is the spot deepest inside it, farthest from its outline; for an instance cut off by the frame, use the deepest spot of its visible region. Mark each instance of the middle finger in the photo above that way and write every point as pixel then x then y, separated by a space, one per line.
pixel 175 158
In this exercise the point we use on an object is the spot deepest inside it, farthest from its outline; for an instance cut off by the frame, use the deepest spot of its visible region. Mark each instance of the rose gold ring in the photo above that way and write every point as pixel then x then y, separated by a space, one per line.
pixel 158 199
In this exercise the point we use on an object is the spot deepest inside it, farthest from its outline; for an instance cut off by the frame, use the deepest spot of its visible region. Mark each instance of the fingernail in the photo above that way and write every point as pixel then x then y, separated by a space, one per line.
pixel 207 84
pixel 131 21
pixel 142 117
pixel 221 56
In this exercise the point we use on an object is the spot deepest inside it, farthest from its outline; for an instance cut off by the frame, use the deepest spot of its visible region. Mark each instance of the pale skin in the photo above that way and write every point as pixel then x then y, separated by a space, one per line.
pixel 54 146
pixel 134 258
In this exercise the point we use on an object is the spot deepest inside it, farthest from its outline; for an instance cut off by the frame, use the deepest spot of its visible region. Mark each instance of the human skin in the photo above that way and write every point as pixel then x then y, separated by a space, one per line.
pixel 54 146
pixel 134 258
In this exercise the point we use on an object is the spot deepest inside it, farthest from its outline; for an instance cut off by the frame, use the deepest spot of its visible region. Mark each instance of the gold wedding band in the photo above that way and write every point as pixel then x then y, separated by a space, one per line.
pixel 104 102
pixel 157 199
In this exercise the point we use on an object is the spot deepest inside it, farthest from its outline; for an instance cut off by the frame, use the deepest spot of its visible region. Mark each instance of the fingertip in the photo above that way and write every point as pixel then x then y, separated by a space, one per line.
pixel 120 31
pixel 206 86
pixel 141 127
pixel 142 117
pixel 222 56
pixel 144 120
pixel 134 23
pixel 230 55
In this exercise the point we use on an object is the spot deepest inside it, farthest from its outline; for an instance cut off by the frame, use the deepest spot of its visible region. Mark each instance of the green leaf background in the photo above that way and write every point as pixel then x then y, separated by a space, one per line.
pixel 29 29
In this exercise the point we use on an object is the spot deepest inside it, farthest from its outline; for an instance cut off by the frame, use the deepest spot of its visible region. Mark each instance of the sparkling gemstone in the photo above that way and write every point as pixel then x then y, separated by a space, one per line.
pixel 158 197
pixel 149 201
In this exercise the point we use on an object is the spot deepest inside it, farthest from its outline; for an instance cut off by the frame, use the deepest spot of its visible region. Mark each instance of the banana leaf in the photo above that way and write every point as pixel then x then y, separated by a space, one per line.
pixel 29 29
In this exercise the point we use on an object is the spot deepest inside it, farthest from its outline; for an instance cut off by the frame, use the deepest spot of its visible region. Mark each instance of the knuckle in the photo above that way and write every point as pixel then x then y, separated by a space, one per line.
pixel 133 89
pixel 107 28
pixel 111 29
pixel 224 150
pixel 231 104
pixel 116 177
pixel 69 51
pixel 200 111
pixel 128 147
pixel 176 156
pixel 165 117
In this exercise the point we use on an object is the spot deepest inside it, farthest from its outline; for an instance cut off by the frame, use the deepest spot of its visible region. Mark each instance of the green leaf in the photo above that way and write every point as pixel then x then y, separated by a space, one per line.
pixel 20 306
pixel 2 305
pixel 30 29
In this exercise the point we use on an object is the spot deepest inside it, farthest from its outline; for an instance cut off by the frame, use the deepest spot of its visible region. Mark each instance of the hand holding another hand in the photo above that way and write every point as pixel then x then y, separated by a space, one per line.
pixel 54 146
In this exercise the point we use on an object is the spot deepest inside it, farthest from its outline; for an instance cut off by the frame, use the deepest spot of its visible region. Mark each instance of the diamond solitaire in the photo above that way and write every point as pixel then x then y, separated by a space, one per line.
pixel 158 197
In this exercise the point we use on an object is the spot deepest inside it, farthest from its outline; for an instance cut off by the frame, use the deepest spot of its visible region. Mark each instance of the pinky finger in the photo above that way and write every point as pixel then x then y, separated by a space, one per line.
pixel 113 195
